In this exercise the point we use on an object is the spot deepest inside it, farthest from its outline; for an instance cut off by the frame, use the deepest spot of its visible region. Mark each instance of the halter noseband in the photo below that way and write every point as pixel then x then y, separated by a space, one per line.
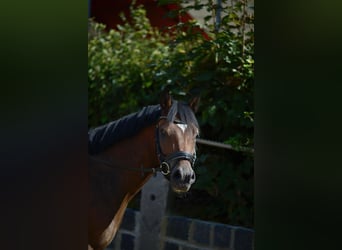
pixel 165 160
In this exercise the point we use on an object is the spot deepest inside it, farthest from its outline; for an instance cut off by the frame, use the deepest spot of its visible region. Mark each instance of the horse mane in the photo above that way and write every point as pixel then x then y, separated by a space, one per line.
pixel 102 137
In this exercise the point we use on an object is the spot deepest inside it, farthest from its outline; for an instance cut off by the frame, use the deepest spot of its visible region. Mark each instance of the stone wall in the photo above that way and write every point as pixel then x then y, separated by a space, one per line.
pixel 181 233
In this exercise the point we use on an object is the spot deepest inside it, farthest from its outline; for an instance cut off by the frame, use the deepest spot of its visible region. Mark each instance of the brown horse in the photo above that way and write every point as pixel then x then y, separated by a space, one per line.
pixel 164 141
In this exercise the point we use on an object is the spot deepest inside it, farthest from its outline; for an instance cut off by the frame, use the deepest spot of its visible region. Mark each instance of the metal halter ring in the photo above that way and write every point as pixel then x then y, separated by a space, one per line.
pixel 164 168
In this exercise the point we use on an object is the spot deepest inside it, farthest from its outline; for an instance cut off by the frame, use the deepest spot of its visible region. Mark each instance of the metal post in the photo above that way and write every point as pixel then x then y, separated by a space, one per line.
pixel 218 14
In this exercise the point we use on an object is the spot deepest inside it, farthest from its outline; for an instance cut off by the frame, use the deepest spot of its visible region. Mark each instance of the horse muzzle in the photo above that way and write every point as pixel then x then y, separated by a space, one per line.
pixel 182 177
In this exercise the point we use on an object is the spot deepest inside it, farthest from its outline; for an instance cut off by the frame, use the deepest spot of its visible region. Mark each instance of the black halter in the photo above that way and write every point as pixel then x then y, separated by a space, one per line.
pixel 166 159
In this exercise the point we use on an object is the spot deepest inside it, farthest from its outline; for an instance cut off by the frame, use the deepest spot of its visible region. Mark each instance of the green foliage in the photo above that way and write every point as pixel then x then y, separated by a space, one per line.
pixel 129 66
pixel 122 65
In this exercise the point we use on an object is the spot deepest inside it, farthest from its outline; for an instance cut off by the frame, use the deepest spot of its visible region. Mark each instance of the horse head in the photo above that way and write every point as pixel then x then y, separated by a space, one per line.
pixel 176 134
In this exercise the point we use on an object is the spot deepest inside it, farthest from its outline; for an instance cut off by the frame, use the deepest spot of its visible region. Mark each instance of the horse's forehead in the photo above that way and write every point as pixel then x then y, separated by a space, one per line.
pixel 186 128
pixel 182 126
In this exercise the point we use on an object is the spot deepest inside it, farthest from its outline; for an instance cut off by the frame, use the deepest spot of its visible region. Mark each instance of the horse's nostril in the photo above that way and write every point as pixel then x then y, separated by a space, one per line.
pixel 193 176
pixel 177 175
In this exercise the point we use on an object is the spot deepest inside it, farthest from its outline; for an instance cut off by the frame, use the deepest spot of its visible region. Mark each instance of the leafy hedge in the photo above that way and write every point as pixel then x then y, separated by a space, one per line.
pixel 129 66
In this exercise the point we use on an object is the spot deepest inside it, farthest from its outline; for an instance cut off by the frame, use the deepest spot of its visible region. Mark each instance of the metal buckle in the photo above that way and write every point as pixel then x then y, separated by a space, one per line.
pixel 164 168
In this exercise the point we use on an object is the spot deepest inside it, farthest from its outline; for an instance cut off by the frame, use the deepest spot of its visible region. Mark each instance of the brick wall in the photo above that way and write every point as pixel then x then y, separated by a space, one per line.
pixel 181 233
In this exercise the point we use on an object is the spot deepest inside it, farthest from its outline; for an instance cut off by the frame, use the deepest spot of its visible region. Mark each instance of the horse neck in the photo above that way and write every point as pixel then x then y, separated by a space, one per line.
pixel 112 187
pixel 136 152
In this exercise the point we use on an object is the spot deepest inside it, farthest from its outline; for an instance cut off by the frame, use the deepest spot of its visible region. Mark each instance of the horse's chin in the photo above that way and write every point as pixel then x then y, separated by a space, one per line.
pixel 181 189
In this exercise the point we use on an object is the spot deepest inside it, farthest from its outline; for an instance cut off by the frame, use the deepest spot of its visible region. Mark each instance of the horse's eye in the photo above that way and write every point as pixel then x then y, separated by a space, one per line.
pixel 163 132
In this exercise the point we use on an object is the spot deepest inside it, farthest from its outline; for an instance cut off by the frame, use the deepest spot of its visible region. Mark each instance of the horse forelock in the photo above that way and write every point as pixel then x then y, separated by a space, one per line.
pixel 182 111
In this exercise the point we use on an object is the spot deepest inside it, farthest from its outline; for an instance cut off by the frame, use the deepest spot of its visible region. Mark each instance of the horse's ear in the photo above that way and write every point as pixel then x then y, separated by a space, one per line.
pixel 165 100
pixel 194 103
